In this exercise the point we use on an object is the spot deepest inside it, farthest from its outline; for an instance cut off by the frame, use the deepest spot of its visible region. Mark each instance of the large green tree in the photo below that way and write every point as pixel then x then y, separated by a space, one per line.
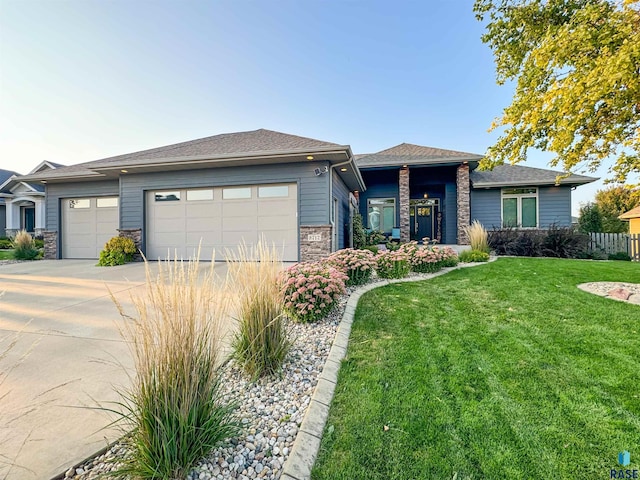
pixel 613 202
pixel 576 68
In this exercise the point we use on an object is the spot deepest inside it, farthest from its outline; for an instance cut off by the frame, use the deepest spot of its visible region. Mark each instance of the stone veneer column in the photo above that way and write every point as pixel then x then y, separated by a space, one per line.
pixel 403 187
pixel 315 242
pixel 134 234
pixel 463 202
pixel 50 245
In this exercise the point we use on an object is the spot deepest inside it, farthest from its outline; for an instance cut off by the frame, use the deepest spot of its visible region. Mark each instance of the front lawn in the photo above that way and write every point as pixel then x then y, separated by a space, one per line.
pixel 6 254
pixel 505 370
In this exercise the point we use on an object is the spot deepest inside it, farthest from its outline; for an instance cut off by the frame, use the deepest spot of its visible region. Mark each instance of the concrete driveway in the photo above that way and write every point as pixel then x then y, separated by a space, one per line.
pixel 67 358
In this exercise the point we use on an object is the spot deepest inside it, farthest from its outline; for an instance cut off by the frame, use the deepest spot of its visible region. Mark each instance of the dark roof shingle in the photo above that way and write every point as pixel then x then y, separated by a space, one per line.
pixel 410 154
pixel 514 175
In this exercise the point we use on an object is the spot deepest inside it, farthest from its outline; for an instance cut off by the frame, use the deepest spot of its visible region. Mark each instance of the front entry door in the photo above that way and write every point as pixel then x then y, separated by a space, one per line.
pixel 424 214
pixel 29 222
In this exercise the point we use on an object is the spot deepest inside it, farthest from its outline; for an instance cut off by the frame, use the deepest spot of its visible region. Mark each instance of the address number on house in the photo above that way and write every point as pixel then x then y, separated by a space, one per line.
pixel 314 237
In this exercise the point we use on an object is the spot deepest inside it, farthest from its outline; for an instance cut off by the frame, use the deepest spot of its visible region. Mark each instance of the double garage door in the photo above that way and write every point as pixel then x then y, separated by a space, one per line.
pixel 220 219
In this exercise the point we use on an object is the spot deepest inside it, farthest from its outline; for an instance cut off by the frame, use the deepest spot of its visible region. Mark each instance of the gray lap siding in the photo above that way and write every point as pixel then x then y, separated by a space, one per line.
pixel 554 206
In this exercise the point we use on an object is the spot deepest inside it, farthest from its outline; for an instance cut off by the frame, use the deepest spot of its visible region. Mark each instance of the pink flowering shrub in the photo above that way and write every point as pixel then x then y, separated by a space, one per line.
pixel 310 290
pixel 393 264
pixel 429 259
pixel 356 264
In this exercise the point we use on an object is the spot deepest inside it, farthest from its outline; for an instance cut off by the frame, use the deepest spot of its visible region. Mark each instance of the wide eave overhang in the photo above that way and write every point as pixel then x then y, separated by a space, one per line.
pixel 114 169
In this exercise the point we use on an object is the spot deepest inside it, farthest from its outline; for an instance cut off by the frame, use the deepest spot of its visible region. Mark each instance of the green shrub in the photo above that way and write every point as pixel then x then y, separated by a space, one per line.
pixel 175 409
pixel 371 248
pixel 624 256
pixel 117 251
pixel 24 247
pixel 261 342
pixel 38 242
pixel 356 264
pixel 359 233
pixel 393 264
pixel 472 256
pixel 375 237
pixel 5 243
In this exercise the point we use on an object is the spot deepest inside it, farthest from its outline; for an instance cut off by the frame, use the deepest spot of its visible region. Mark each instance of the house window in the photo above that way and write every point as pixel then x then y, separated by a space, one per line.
pixel 381 213
pixel 236 193
pixel 196 195
pixel 167 196
pixel 80 203
pixel 107 202
pixel 520 207
pixel 273 191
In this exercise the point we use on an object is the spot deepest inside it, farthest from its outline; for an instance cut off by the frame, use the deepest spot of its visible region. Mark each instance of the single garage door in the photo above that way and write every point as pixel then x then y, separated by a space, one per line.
pixel 87 224
pixel 221 218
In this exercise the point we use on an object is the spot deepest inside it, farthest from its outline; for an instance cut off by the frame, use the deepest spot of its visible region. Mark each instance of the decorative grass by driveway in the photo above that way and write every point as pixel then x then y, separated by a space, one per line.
pixel 505 370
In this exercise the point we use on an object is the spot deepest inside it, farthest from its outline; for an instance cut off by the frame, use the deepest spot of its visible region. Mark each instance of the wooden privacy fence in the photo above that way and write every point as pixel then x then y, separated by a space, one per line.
pixel 616 242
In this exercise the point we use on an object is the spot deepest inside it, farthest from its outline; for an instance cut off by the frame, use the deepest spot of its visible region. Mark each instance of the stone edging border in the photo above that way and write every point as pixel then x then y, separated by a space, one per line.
pixel 307 443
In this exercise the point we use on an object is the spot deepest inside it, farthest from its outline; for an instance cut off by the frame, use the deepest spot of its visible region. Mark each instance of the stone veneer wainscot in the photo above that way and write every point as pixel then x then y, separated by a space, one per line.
pixel 314 250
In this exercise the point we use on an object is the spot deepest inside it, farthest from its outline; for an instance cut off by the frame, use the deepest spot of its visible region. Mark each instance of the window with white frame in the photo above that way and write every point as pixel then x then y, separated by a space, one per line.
pixel 520 207
pixel 381 214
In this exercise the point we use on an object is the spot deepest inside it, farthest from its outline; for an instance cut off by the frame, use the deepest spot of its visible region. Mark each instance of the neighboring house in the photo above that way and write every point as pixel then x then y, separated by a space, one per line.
pixel 22 204
pixel 633 217
pixel 297 192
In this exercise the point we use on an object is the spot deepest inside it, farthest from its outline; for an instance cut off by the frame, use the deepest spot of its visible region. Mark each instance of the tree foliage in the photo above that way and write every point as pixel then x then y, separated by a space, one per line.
pixel 613 202
pixel 590 218
pixel 576 67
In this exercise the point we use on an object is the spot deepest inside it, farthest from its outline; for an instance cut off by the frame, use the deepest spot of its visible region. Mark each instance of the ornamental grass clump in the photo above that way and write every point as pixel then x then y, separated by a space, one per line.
pixel 393 264
pixel 478 237
pixel 262 341
pixel 311 289
pixel 24 246
pixel 174 409
pixel 356 264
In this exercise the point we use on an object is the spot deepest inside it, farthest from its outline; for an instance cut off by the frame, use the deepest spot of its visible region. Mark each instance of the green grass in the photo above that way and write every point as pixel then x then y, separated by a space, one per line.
pixel 6 255
pixel 504 370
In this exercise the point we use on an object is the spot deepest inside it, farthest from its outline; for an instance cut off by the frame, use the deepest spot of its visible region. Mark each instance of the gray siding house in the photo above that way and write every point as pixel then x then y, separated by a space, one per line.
pixel 299 193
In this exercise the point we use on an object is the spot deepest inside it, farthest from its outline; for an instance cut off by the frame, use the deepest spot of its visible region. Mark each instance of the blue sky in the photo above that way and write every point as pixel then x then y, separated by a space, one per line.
pixel 82 80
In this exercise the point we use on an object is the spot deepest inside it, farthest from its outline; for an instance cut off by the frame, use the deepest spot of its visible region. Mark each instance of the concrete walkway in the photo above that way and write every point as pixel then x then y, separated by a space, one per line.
pixel 67 357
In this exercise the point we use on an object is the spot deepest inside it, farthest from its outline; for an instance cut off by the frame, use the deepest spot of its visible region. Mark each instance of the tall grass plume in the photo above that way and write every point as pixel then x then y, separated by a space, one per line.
pixel 175 408
pixel 478 237
pixel 24 246
pixel 261 342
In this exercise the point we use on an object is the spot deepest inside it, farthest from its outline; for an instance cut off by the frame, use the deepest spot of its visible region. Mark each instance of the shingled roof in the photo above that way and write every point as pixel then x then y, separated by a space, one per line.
pixel 252 143
pixel 410 154
pixel 518 175
pixel 633 213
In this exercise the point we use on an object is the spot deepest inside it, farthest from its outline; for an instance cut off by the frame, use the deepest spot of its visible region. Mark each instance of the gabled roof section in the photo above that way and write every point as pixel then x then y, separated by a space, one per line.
pixel 410 154
pixel 256 143
pixel 519 175
pixel 633 213
pixel 6 175
pixel 45 165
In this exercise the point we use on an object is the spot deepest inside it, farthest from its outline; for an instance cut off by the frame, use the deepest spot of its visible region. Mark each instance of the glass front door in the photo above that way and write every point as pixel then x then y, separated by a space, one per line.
pixel 425 219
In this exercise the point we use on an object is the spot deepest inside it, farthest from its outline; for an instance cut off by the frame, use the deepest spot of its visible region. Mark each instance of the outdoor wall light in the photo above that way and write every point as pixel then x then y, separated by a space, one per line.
pixel 124 171
pixel 343 169
pixel 309 157
pixel 426 195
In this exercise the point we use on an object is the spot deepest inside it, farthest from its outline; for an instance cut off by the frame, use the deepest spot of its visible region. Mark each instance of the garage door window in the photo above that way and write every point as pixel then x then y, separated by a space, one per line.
pixel 167 196
pixel 80 203
pixel 195 195
pixel 107 202
pixel 236 193
pixel 274 191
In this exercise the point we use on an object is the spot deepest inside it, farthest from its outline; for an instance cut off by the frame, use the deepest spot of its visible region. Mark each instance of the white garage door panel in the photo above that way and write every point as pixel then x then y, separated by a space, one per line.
pixel 86 230
pixel 221 224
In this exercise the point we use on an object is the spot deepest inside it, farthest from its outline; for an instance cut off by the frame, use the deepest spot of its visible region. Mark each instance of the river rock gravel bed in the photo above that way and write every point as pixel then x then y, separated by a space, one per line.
pixel 270 410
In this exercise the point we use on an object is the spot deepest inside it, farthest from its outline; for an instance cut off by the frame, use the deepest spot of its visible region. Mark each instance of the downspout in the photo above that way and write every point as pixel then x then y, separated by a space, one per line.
pixel 331 204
